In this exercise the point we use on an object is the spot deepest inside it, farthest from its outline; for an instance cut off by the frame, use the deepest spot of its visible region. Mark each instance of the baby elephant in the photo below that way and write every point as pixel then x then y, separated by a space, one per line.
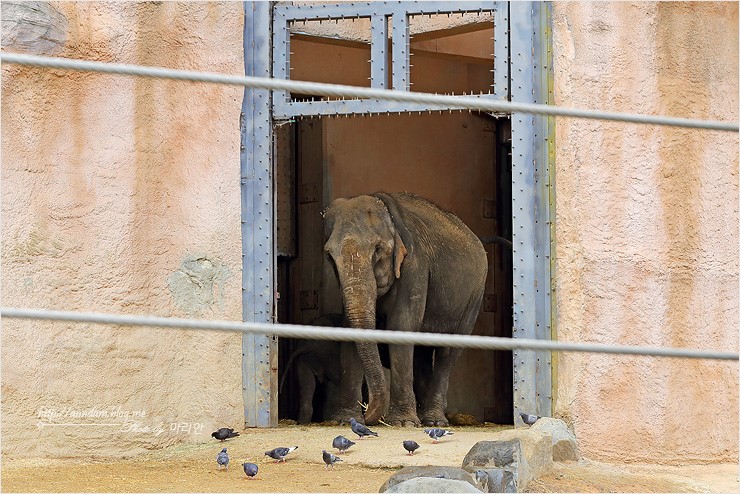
pixel 315 362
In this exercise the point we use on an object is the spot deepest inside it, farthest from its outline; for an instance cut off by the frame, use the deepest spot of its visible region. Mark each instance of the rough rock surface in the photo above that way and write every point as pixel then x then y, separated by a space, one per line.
pixel 536 448
pixel 33 27
pixel 436 472
pixel 506 456
pixel 496 480
pixel 564 443
pixel 426 484
pixel 525 452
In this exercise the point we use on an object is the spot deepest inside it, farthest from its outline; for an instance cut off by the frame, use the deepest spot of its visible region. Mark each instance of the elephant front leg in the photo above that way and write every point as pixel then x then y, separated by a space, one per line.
pixel 349 387
pixel 434 404
pixel 402 409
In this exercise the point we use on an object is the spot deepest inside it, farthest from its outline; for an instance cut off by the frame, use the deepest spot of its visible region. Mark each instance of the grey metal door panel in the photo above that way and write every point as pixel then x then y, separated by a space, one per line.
pixel 531 208
pixel 259 352
pixel 398 63
pixel 522 63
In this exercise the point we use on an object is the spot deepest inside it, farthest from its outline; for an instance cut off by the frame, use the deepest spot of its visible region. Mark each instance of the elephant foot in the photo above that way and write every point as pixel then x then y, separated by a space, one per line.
pixel 434 419
pixel 342 416
pixel 402 418
pixel 403 421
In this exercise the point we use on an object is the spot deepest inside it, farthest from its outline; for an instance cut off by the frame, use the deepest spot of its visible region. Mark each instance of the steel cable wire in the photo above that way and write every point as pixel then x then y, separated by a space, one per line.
pixel 342 91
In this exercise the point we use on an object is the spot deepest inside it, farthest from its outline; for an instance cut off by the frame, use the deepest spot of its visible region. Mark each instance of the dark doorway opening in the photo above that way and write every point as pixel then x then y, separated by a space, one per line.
pixel 462 162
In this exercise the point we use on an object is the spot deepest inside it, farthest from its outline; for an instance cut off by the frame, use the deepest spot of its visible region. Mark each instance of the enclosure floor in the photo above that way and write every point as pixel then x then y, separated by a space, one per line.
pixel 365 467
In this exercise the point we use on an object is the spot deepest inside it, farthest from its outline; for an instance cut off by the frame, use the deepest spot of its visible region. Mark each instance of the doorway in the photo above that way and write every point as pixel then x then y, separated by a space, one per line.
pixel 461 162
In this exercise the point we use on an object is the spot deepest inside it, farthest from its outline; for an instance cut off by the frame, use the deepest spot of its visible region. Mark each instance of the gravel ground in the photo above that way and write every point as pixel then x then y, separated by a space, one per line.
pixel 365 467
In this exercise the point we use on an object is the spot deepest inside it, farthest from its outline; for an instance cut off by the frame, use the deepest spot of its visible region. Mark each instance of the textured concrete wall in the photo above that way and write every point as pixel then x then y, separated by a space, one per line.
pixel 120 195
pixel 647 227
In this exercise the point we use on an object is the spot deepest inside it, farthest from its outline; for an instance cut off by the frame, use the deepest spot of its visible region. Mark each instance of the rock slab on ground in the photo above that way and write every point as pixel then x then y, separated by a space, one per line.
pixel 496 480
pixel 536 449
pixel 526 453
pixel 427 484
pixel 564 443
pixel 434 472
pixel 492 456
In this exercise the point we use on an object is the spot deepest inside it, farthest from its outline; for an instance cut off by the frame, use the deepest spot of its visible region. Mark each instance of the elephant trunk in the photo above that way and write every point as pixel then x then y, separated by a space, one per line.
pixel 359 296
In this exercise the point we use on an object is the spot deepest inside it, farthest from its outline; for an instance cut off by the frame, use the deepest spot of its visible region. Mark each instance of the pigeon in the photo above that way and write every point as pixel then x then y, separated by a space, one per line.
pixel 410 446
pixel 224 433
pixel 280 453
pixel 436 433
pixel 250 469
pixel 329 458
pixel 529 419
pixel 223 459
pixel 342 443
pixel 360 429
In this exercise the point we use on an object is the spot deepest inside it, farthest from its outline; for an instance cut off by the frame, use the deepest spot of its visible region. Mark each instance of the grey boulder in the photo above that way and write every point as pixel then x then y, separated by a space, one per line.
pixel 564 443
pixel 427 484
pixel 434 472
pixel 494 458
pixel 496 480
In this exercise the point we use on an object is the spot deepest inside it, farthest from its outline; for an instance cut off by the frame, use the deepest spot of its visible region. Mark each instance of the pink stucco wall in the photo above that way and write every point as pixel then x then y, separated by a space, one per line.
pixel 121 195
pixel 647 227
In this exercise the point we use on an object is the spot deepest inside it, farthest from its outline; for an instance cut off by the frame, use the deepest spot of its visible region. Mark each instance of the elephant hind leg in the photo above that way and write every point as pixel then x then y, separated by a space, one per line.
pixel 435 401
pixel 423 356
pixel 307 387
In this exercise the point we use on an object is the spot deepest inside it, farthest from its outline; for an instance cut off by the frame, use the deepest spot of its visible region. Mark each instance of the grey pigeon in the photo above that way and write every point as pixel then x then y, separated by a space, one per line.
pixel 342 443
pixel 279 454
pixel 360 429
pixel 250 469
pixel 223 459
pixel 224 433
pixel 329 458
pixel 436 433
pixel 410 446
pixel 529 419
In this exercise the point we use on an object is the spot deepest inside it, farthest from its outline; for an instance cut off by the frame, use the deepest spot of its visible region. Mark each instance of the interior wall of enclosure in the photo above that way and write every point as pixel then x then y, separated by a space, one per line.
pixel 121 195
pixel 647 227
pixel 449 158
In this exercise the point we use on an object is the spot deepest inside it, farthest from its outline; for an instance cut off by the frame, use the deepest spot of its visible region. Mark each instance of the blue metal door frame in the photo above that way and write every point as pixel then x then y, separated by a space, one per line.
pixel 532 199
pixel 259 352
pixel 524 61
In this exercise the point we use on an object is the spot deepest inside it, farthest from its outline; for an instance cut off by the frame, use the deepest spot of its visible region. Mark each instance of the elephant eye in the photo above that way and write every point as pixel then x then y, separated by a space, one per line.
pixel 378 250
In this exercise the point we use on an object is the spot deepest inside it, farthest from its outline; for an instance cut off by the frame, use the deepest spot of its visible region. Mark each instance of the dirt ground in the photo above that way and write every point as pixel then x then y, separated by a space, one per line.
pixel 365 467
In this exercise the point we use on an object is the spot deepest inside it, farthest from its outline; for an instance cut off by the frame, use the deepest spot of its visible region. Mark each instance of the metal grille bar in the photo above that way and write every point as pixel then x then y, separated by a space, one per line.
pixel 473 103
pixel 364 335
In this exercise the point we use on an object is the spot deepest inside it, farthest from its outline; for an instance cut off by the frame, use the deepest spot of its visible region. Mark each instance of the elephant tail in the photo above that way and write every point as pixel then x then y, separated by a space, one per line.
pixel 496 239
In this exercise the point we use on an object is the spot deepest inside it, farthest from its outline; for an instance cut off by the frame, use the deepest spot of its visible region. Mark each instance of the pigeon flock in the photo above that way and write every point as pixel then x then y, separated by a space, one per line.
pixel 340 443
pixel 279 454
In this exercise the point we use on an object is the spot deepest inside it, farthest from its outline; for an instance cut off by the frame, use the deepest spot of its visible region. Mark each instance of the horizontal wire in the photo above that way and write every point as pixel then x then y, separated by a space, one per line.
pixel 363 335
pixel 337 90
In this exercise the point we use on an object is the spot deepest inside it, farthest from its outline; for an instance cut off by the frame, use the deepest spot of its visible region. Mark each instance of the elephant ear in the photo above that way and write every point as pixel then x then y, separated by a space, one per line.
pixel 403 243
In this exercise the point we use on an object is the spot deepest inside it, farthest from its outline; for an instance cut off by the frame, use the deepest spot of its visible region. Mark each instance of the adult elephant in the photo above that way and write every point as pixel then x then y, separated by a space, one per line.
pixel 424 270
